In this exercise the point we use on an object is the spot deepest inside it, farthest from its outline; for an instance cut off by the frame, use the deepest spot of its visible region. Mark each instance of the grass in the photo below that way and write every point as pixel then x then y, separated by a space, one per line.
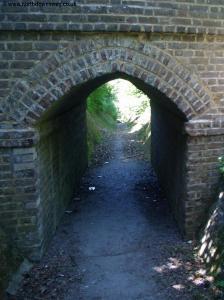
pixel 97 124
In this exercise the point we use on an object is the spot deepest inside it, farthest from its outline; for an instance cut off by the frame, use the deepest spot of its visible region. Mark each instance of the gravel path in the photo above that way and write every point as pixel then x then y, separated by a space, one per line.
pixel 117 241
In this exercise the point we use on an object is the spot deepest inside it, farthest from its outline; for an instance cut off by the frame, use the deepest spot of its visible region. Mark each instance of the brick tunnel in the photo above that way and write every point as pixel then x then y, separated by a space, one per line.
pixel 44 149
pixel 62 150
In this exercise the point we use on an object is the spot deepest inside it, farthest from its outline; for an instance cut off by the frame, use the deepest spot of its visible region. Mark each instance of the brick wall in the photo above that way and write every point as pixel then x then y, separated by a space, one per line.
pixel 168 156
pixel 202 176
pixel 190 16
pixel 49 53
pixel 19 196
pixel 202 55
pixel 38 175
pixel 62 159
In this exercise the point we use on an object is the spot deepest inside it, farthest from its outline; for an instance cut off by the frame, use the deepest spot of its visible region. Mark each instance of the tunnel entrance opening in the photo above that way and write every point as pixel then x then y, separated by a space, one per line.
pixel 63 156
pixel 43 110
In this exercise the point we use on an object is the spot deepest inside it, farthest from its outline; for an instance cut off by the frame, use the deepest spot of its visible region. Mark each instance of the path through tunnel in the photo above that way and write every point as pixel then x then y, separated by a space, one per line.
pixel 63 156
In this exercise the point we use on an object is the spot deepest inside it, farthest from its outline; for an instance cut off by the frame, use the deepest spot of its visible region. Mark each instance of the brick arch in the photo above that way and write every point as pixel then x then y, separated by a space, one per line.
pixel 83 61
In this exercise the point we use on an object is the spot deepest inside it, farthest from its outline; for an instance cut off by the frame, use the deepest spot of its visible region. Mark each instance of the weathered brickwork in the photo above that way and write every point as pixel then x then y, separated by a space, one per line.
pixel 62 159
pixel 202 55
pixel 168 156
pixel 51 58
pixel 190 16
pixel 202 176
pixel 86 60
pixel 19 195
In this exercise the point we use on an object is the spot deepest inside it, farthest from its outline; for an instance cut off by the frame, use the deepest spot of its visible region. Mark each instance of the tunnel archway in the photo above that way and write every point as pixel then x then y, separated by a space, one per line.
pixel 62 130
pixel 86 60
pixel 50 103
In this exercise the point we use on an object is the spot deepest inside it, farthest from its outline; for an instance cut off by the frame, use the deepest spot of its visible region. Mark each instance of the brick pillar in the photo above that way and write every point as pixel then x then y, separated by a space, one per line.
pixel 205 145
pixel 20 205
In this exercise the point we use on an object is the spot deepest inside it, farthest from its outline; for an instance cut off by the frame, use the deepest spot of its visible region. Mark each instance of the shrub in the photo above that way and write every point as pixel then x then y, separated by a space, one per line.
pixel 102 100
pixel 221 165
pixel 101 115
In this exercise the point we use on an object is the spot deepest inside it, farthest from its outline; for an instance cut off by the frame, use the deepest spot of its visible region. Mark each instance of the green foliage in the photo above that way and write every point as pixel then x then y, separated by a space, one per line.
pixel 93 134
pixel 221 165
pixel 136 92
pixel 101 115
pixel 144 105
pixel 220 284
pixel 102 100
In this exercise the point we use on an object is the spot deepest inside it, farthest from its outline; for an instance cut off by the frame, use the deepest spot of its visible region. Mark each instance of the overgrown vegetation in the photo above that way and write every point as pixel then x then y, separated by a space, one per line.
pixel 219 262
pixel 102 101
pixel 134 110
pixel 211 247
pixel 141 124
pixel 221 165
pixel 118 100
pixel 101 115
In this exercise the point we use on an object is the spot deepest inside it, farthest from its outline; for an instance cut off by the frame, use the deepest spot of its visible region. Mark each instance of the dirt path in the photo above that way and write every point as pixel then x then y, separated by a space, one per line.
pixel 117 242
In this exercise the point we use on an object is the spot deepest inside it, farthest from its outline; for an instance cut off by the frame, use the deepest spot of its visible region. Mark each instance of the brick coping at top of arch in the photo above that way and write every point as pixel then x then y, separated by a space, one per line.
pixel 89 59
